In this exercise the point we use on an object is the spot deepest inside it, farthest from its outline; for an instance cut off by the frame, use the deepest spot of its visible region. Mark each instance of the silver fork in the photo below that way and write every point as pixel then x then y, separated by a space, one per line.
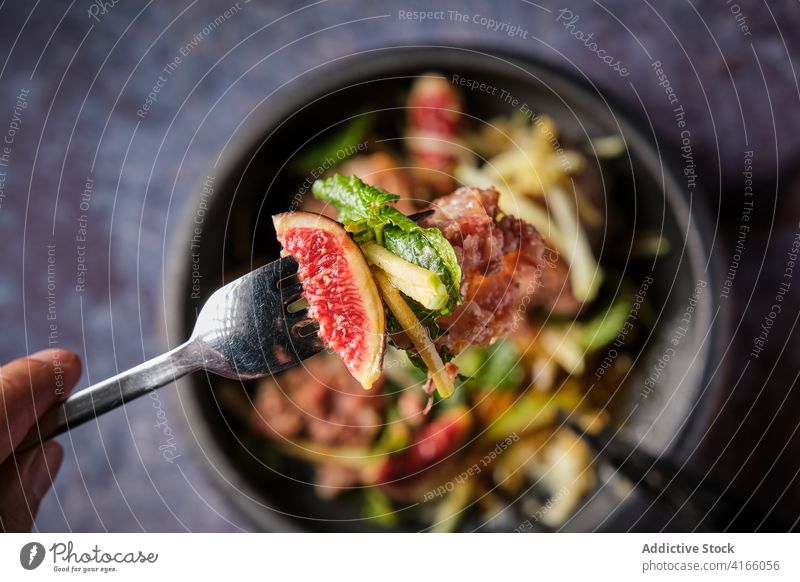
pixel 244 331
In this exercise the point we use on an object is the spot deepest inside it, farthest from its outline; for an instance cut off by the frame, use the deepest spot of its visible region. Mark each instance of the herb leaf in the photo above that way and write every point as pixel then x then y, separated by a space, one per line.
pixel 357 204
pixel 364 210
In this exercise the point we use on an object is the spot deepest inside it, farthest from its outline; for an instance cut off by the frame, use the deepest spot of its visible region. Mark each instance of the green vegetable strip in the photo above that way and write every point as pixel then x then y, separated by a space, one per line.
pixel 602 329
pixel 337 147
pixel 497 366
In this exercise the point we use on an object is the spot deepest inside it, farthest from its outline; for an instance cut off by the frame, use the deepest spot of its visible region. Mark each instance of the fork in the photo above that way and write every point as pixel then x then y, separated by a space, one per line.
pixel 244 331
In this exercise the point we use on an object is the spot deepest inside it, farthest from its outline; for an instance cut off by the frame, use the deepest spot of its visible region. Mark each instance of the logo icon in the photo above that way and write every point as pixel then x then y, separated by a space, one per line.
pixel 31 555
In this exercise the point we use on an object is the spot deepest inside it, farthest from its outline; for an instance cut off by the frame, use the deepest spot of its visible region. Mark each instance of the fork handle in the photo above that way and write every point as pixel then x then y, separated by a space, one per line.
pixel 112 393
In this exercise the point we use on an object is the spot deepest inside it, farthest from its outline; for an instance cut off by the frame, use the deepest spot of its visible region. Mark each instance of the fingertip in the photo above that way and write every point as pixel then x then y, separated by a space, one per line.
pixel 71 362
pixel 65 363
pixel 46 355
pixel 58 357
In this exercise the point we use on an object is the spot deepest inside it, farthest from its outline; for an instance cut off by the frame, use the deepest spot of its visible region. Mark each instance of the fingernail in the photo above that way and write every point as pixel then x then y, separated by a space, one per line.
pixel 44 468
pixel 47 356
pixel 66 368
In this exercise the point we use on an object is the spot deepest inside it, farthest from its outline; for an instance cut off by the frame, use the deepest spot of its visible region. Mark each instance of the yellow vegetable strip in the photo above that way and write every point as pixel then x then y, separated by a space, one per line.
pixel 416 333
pixel 422 285
pixel 585 274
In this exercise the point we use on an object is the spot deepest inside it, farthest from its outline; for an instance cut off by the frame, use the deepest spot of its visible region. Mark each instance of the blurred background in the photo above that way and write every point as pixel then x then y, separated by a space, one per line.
pixel 111 137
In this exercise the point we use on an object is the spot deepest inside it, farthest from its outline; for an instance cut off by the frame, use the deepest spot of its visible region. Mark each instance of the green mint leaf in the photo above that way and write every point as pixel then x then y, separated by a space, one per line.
pixel 356 203
pixel 365 212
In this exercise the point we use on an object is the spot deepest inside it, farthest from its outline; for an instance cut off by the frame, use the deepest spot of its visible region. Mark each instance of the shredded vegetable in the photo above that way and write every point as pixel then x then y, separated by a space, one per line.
pixel 602 329
pixel 585 274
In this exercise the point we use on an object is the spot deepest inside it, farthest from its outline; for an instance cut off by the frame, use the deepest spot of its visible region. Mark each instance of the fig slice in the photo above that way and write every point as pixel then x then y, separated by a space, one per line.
pixel 340 290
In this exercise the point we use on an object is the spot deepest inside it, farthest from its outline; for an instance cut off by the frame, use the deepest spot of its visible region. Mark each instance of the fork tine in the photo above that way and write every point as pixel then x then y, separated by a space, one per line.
pixel 248 325
pixel 271 274
pixel 421 215
pixel 305 328
pixel 291 293
pixel 286 267
pixel 297 317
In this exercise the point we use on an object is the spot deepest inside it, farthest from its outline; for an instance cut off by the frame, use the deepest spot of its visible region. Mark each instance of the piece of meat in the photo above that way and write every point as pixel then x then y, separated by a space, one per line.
pixel 319 400
pixel 555 291
pixel 466 219
pixel 434 121
pixel 411 406
pixel 502 267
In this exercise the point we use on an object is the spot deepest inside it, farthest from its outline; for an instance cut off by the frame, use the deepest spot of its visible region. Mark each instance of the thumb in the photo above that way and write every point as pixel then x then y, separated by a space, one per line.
pixel 24 481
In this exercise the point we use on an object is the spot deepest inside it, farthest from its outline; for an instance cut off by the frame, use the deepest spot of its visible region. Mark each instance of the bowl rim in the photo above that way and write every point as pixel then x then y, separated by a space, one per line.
pixel 288 98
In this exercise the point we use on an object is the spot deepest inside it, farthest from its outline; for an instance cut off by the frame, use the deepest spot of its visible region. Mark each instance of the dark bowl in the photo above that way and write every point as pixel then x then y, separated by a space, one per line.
pixel 252 181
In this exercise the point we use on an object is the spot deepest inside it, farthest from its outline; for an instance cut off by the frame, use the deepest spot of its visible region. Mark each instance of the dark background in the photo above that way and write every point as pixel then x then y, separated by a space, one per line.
pixel 88 78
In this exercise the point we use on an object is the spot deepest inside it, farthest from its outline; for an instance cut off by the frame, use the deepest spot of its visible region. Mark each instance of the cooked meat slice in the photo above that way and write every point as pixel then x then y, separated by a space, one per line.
pixel 502 267
pixel 434 119
pixel 311 204
pixel 411 406
pixel 555 293
pixel 466 219
pixel 274 413
pixel 319 400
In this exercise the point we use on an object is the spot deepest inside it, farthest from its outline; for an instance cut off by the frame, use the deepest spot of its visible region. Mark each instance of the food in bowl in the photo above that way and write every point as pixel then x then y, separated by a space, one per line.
pixel 452 281
pixel 519 322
